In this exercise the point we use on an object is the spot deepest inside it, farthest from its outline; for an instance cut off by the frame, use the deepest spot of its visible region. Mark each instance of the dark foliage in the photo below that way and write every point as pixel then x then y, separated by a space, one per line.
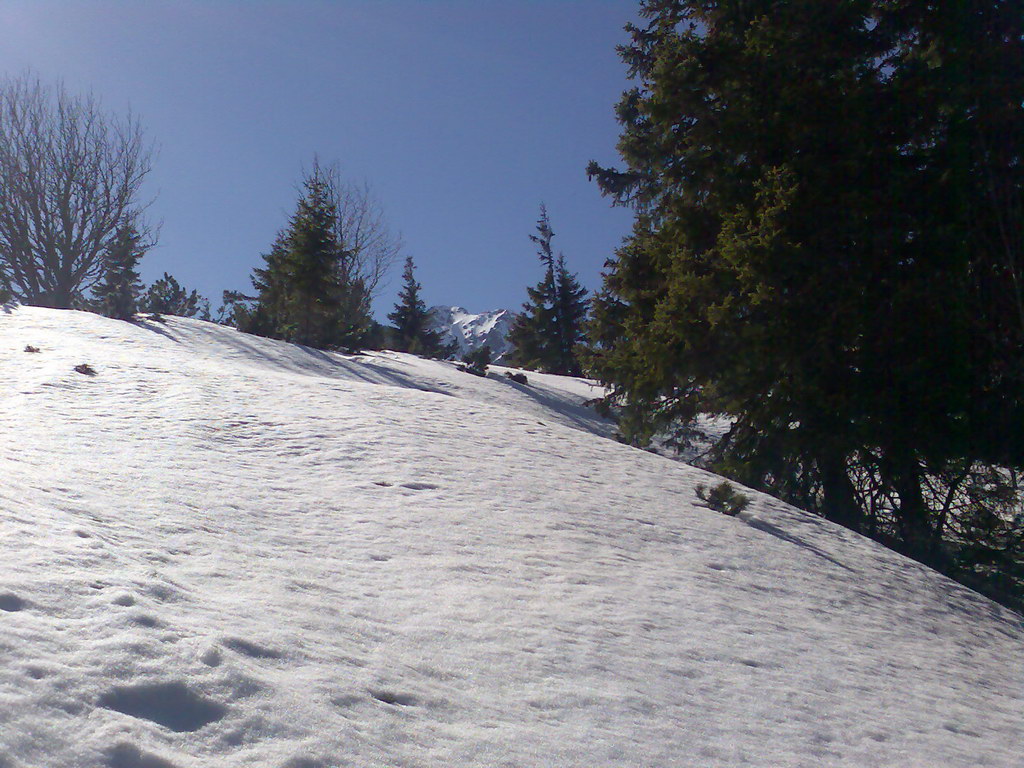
pixel 308 291
pixel 117 294
pixel 723 498
pixel 411 320
pixel 168 297
pixel 828 248
pixel 478 360
pixel 546 335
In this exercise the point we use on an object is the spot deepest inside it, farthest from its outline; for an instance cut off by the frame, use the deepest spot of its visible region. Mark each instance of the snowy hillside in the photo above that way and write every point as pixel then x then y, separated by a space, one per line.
pixel 472 331
pixel 224 551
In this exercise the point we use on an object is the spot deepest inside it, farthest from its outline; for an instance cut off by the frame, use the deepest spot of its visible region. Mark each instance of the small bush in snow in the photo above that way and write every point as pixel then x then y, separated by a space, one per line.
pixel 477 360
pixel 518 378
pixel 86 369
pixel 30 348
pixel 723 498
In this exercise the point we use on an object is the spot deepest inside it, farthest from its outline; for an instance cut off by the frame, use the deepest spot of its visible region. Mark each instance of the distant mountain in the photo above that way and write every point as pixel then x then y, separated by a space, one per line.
pixel 471 331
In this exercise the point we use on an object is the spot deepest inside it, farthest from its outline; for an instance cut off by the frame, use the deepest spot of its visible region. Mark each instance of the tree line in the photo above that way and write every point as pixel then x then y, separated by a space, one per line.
pixel 312 290
pixel 73 232
pixel 72 220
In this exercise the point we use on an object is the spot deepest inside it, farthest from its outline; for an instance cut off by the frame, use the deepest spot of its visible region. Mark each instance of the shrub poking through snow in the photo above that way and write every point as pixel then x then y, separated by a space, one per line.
pixel 477 361
pixel 518 378
pixel 30 348
pixel 723 498
pixel 86 369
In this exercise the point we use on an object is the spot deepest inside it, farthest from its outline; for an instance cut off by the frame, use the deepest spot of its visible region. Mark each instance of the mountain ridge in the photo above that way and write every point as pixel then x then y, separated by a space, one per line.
pixel 469 331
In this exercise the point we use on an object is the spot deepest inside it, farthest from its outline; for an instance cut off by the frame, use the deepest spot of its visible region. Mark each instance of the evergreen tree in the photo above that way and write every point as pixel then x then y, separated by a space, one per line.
pixel 411 320
pixel 310 264
pixel 117 294
pixel 822 192
pixel 544 336
pixel 532 332
pixel 166 296
pixel 307 291
pixel 570 311
pixel 266 313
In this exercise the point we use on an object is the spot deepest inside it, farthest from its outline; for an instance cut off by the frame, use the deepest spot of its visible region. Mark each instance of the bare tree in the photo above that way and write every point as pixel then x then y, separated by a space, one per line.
pixel 369 246
pixel 70 175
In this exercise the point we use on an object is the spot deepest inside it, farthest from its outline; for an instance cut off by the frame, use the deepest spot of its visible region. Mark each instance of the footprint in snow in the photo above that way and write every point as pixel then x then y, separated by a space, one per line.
pixel 164 593
pixel 393 697
pixel 10 602
pixel 304 762
pixel 175 706
pixel 127 755
pixel 145 620
pixel 250 649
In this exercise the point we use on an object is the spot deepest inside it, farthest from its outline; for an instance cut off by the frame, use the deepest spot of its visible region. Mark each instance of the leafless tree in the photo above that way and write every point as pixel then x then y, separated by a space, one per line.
pixel 70 176
pixel 369 246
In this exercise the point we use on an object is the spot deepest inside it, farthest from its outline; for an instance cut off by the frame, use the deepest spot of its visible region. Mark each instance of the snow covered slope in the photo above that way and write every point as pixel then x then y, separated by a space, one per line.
pixel 472 331
pixel 224 551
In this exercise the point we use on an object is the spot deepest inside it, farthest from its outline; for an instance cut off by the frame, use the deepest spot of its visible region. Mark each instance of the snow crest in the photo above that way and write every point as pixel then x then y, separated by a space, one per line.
pixel 226 551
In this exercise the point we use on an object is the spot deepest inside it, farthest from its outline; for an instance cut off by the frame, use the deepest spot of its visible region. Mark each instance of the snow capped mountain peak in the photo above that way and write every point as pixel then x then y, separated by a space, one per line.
pixel 470 331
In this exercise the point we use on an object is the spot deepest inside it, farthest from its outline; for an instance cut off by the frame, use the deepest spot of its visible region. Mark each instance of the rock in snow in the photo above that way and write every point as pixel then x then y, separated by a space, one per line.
pixel 471 331
pixel 225 551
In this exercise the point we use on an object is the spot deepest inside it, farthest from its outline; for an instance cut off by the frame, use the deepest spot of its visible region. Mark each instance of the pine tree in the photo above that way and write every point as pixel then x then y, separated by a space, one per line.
pixel 570 311
pixel 819 255
pixel 411 320
pixel 264 314
pixel 310 263
pixel 117 295
pixel 307 290
pixel 166 296
pixel 544 336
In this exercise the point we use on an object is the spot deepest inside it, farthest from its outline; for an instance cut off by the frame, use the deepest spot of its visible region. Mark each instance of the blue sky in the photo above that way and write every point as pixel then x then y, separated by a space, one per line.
pixel 463 117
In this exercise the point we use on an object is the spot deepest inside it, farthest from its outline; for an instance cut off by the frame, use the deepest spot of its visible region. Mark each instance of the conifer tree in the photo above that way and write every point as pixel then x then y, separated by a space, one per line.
pixel 570 318
pixel 166 296
pixel 544 336
pixel 310 263
pixel 411 320
pixel 264 314
pixel 117 294
pixel 823 196
pixel 307 291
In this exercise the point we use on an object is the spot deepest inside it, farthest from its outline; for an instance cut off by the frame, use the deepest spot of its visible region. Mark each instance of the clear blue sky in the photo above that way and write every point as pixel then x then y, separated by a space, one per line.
pixel 463 116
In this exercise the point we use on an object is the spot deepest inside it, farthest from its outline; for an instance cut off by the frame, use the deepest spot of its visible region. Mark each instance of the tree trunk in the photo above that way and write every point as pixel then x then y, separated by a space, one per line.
pixel 916 528
pixel 840 501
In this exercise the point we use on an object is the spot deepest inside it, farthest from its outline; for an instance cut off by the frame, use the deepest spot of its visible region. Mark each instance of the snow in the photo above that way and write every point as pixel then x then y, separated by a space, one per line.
pixel 227 551
pixel 472 331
